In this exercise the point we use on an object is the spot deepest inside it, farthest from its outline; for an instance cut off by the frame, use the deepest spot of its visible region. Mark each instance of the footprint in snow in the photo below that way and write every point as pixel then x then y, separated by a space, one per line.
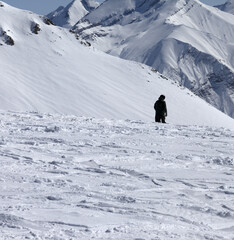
pixel 52 198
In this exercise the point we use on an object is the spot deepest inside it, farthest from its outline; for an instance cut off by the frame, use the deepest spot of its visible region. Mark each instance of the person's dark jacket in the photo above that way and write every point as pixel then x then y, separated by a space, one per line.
pixel 160 107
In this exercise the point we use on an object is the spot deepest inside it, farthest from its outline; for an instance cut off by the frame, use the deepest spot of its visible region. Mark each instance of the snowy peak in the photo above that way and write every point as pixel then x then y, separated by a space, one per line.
pixel 72 13
pixel 78 5
pixel 90 4
pixel 227 7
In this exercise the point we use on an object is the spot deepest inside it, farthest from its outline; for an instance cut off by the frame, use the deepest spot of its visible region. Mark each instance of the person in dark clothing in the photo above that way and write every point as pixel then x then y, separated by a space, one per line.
pixel 161 109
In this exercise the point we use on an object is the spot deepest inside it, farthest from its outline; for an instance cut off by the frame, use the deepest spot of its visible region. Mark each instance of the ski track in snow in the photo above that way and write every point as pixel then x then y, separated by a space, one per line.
pixel 68 177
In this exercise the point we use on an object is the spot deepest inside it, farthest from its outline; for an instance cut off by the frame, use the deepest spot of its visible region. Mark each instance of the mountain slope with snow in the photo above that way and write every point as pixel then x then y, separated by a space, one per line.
pixel 185 40
pixel 227 7
pixel 72 13
pixel 49 70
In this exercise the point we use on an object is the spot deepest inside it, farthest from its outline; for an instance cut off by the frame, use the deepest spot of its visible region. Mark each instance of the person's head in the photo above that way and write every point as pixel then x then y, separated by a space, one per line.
pixel 162 97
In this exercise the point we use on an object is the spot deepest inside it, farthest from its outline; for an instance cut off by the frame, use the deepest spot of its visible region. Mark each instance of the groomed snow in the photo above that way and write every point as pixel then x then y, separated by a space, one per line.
pixel 67 177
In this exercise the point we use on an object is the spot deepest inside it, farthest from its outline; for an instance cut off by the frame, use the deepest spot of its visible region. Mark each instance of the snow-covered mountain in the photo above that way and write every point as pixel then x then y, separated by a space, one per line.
pixel 72 13
pixel 186 40
pixel 45 68
pixel 227 6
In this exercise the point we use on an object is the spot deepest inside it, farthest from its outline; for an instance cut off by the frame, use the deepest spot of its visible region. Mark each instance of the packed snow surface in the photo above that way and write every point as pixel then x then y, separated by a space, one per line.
pixel 67 177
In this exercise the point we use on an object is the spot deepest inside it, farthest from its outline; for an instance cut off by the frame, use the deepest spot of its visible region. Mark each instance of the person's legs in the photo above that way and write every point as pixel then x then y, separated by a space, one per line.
pixel 157 118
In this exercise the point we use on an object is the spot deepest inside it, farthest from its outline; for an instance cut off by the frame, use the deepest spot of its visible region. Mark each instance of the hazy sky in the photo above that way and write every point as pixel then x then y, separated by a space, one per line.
pixel 46 6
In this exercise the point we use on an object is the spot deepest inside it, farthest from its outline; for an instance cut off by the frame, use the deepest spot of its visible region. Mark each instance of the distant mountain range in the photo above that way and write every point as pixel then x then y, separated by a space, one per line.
pixel 49 69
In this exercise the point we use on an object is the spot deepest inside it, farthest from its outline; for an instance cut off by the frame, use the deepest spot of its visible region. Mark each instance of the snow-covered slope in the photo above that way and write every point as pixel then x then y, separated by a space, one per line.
pixel 78 178
pixel 227 7
pixel 72 13
pixel 49 70
pixel 187 41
